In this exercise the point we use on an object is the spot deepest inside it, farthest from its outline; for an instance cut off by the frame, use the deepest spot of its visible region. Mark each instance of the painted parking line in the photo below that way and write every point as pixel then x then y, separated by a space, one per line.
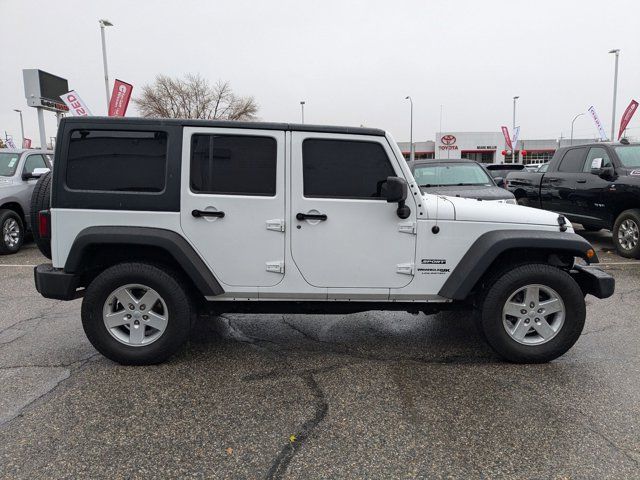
pixel 618 263
pixel 16 265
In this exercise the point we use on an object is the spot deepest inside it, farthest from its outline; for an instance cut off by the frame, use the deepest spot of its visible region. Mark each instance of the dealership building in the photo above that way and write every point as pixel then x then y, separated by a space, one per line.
pixel 486 147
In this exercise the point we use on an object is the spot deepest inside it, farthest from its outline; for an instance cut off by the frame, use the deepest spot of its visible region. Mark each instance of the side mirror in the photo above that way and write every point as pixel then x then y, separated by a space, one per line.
pixel 397 190
pixel 599 170
pixel 37 173
pixel 499 181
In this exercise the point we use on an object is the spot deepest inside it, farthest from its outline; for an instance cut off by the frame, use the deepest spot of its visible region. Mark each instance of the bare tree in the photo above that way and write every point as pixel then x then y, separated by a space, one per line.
pixel 193 97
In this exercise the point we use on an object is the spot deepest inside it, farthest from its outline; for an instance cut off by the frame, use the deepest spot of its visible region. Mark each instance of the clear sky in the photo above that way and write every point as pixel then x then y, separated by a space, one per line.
pixel 353 62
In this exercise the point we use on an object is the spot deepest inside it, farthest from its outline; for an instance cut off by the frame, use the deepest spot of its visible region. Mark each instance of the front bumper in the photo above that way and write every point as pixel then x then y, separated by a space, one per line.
pixel 56 283
pixel 594 281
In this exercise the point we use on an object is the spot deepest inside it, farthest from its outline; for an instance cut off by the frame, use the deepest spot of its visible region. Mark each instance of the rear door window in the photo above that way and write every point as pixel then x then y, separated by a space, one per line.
pixel 117 161
pixel 233 165
pixel 573 161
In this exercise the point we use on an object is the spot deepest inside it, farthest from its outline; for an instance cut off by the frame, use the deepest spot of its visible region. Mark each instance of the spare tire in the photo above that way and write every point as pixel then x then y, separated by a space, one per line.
pixel 41 200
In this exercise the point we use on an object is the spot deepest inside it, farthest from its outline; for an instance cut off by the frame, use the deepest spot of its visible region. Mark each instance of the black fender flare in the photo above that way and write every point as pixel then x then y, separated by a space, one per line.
pixel 488 246
pixel 171 242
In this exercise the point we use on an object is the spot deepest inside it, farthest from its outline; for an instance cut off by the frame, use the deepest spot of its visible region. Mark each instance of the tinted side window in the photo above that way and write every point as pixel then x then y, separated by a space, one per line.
pixel 233 164
pixel 33 162
pixel 344 169
pixel 572 161
pixel 117 161
pixel 597 152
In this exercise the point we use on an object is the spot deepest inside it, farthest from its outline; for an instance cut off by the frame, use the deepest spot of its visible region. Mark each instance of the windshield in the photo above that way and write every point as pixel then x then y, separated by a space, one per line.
pixel 629 155
pixel 8 164
pixel 451 174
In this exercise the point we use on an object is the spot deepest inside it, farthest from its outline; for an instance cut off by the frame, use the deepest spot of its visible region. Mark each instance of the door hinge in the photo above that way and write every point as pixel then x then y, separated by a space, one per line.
pixel 408 227
pixel 405 268
pixel 277 225
pixel 275 267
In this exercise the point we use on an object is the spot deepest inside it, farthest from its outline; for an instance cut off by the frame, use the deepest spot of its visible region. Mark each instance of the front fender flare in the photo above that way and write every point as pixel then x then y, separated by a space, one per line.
pixel 482 253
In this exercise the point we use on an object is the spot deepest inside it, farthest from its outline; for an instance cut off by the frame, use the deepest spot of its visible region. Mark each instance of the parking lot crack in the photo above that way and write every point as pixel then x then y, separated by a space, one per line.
pixel 288 451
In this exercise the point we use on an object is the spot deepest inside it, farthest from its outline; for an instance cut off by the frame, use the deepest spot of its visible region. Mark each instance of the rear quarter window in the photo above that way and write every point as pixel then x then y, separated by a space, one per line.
pixel 117 161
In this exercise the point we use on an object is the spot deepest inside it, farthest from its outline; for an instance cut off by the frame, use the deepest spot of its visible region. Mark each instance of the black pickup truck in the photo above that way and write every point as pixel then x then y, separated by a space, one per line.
pixel 596 185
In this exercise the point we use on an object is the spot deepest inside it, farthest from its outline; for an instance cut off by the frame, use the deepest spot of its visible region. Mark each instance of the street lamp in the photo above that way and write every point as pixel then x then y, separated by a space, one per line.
pixel 411 153
pixel 302 102
pixel 513 131
pixel 105 23
pixel 615 93
pixel 572 122
pixel 21 124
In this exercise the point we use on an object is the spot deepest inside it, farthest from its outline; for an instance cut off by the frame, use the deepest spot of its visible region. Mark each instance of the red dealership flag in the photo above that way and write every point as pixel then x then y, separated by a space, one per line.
pixel 626 117
pixel 507 138
pixel 120 98
pixel 26 143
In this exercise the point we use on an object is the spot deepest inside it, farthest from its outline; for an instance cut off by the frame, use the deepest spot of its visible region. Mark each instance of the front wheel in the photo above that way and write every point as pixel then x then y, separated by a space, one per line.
pixel 626 233
pixel 136 314
pixel 533 314
pixel 11 232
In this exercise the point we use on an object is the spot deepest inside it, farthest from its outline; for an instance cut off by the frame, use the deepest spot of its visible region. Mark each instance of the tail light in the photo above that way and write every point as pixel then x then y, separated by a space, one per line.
pixel 44 224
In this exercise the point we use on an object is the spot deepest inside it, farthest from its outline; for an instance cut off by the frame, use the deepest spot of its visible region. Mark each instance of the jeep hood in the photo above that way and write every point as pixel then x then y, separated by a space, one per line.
pixel 471 210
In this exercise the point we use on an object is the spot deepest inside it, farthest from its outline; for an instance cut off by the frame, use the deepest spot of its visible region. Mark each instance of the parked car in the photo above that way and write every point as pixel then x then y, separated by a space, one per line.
pixel 500 170
pixel 533 167
pixel 458 178
pixel 153 221
pixel 19 171
pixel 596 185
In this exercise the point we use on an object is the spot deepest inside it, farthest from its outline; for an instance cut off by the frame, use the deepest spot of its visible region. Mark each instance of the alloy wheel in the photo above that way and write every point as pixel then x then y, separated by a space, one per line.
pixel 11 232
pixel 628 234
pixel 135 315
pixel 533 314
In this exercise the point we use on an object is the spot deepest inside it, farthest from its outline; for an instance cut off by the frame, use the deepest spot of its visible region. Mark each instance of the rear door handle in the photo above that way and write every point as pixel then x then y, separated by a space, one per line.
pixel 581 181
pixel 206 213
pixel 311 216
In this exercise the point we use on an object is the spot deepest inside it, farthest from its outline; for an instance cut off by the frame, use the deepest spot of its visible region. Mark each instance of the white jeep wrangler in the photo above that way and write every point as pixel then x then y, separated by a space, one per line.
pixel 153 220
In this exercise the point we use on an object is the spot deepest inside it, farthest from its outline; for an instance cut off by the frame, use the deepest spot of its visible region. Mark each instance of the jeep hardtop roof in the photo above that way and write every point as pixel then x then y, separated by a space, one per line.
pixel 186 122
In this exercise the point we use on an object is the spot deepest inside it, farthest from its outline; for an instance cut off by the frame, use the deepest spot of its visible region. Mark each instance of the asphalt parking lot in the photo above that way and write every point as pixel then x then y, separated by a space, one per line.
pixel 373 395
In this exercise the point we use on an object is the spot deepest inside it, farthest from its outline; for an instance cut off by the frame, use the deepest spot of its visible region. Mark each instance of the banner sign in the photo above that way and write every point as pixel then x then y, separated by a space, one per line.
pixel 507 138
pixel 77 107
pixel 626 117
pixel 514 140
pixel 9 142
pixel 120 98
pixel 26 143
pixel 596 120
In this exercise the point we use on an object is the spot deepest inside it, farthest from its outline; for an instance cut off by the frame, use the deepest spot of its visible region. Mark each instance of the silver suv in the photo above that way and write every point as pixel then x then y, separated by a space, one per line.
pixel 19 172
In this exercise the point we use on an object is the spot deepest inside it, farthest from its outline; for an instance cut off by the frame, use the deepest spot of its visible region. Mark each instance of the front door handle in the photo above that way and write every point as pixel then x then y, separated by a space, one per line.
pixel 581 181
pixel 311 216
pixel 206 213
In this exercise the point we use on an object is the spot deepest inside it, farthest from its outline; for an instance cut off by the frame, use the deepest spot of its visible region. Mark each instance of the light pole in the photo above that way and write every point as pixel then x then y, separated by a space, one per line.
pixel 513 131
pixel 615 93
pixel 105 23
pixel 572 122
pixel 302 102
pixel 21 125
pixel 411 154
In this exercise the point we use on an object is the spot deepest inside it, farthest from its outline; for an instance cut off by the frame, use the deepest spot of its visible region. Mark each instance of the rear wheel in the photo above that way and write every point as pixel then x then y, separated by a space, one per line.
pixel 41 200
pixel 533 313
pixel 626 233
pixel 11 232
pixel 136 314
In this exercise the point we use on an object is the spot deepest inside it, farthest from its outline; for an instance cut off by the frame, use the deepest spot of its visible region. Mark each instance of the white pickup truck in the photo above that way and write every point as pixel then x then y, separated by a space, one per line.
pixel 152 221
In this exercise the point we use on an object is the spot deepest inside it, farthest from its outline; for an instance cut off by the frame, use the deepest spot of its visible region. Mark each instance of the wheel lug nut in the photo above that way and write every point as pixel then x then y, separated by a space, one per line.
pixel 526 321
pixel 127 316
pixel 142 307
pixel 523 311
pixel 145 317
pixel 537 320
pixel 131 306
pixel 531 305
pixel 540 310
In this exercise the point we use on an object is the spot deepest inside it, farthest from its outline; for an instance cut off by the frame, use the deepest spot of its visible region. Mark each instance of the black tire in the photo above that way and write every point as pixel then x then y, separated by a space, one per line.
pixel 41 200
pixel 510 281
pixel 633 216
pixel 163 281
pixel 591 228
pixel 10 220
